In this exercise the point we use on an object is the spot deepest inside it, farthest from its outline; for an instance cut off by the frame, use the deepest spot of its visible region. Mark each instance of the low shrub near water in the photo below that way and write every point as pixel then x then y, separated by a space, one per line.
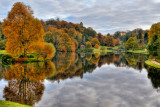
pixel 7 59
pixel 109 48
pixel 85 50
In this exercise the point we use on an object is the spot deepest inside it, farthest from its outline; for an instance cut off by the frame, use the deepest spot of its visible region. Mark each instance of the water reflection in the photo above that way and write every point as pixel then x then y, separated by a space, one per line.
pixel 26 81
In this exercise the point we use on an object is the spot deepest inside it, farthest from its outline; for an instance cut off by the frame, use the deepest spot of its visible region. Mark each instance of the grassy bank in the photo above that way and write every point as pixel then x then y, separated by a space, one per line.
pixel 107 49
pixel 148 62
pixel 138 51
pixel 11 104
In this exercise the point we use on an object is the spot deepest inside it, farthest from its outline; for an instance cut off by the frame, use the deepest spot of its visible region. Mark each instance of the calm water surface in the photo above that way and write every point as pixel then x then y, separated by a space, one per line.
pixel 83 80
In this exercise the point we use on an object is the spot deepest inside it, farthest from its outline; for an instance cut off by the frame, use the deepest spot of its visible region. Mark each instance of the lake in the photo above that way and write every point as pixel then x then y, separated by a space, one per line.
pixel 83 80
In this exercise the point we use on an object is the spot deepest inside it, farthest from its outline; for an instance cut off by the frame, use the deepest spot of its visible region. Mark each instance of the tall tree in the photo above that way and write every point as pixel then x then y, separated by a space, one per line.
pixel 154 30
pixel 22 30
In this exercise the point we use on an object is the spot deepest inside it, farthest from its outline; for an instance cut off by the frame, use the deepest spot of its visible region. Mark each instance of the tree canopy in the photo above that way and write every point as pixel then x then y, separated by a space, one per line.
pixel 22 30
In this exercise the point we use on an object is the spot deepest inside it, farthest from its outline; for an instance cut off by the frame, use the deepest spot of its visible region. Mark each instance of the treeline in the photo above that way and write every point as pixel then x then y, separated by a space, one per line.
pixel 67 36
pixel 135 39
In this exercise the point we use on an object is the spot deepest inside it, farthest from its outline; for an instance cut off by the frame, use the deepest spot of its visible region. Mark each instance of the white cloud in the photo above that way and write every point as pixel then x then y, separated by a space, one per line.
pixel 103 15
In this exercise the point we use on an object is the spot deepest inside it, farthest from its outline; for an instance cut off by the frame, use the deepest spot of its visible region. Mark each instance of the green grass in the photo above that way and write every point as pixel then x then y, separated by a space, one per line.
pixel 148 62
pixel 11 104
pixel 138 51
pixel 106 50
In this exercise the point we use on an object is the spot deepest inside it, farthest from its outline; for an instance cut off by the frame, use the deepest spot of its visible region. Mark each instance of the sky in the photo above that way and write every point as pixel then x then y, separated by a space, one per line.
pixel 105 16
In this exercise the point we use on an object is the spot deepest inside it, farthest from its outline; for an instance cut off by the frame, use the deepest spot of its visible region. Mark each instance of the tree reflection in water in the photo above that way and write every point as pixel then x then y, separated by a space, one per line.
pixel 154 76
pixel 25 81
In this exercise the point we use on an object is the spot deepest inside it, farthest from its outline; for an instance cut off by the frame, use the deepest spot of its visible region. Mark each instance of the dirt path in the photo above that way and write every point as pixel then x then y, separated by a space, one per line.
pixel 153 61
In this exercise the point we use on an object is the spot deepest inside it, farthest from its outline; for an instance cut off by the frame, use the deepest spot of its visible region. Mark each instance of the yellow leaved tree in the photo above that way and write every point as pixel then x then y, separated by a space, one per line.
pixel 22 30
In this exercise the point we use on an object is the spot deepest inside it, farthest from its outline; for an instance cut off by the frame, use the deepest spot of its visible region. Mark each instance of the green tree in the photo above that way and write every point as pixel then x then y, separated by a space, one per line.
pixel 131 43
pixel 88 45
pixel 154 46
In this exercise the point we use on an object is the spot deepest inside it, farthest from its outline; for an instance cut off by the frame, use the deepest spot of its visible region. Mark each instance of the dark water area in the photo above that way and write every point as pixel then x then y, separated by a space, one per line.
pixel 83 80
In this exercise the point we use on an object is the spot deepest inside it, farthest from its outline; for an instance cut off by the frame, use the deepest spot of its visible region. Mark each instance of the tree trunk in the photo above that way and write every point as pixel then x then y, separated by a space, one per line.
pixel 25 53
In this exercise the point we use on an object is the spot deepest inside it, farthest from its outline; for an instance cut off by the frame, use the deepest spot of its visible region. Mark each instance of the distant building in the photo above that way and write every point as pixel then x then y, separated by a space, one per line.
pixel 122 33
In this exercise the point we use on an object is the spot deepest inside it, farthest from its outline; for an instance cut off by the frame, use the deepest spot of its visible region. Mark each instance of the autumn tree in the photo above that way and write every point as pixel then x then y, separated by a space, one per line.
pixel 95 41
pixel 22 30
pixel 100 37
pixel 154 30
pixel 96 46
pixel 88 45
pixel 110 41
pixel 52 35
pixel 117 41
pixel 64 43
pixel 72 33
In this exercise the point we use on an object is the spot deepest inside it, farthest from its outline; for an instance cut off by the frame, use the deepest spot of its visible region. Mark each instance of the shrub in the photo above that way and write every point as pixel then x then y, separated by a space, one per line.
pixel 96 46
pixel 29 56
pixel 109 48
pixel 7 59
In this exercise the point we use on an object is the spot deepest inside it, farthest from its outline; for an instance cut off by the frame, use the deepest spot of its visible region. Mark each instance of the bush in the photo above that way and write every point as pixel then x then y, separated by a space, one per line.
pixel 7 59
pixel 96 46
pixel 30 56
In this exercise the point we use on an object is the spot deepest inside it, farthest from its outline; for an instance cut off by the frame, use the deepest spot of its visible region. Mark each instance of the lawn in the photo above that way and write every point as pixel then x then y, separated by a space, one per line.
pixel 138 51
pixel 106 50
pixel 11 104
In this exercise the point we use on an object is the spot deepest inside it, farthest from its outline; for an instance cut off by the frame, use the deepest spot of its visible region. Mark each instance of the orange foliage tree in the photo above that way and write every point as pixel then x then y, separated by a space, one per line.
pixel 64 43
pixel 96 46
pixel 22 30
pixel 117 41
pixel 110 41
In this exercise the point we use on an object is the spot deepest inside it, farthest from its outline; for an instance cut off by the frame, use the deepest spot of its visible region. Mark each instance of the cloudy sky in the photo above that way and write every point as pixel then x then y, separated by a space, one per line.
pixel 105 16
